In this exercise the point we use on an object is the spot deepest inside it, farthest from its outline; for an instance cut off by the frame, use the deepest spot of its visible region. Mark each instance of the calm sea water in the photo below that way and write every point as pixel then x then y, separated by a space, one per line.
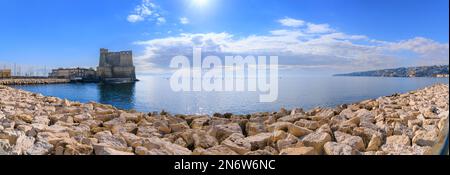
pixel 154 94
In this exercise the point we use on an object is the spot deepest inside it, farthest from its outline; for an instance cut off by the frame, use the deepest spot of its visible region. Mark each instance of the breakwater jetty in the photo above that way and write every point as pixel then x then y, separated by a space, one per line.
pixel 30 81
pixel 414 123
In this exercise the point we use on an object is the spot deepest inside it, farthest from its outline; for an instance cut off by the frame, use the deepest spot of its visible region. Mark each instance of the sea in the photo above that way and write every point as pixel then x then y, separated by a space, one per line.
pixel 154 94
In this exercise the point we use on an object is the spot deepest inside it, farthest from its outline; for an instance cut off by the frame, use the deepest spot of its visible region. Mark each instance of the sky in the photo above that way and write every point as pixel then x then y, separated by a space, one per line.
pixel 309 36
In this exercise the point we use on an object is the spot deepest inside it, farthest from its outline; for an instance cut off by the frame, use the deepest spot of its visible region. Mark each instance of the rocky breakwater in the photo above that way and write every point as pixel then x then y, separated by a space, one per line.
pixel 411 123
pixel 32 81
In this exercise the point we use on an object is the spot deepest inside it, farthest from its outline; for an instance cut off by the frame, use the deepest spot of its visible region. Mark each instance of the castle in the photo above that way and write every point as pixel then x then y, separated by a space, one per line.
pixel 116 66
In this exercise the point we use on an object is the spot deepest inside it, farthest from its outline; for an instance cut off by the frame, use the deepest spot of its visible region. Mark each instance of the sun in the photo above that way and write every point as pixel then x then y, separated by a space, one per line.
pixel 200 2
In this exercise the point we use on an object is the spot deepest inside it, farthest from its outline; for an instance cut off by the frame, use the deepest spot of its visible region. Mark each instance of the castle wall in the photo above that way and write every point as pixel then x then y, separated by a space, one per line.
pixel 116 65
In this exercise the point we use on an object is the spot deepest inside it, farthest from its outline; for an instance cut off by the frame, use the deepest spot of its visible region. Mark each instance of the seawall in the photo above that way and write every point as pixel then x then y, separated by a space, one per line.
pixel 32 81
pixel 414 123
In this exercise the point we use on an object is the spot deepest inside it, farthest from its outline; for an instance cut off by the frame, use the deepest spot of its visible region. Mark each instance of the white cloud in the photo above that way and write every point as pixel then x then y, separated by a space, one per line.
pixel 161 20
pixel 314 46
pixel 184 20
pixel 290 22
pixel 318 28
pixel 143 11
pixel 134 18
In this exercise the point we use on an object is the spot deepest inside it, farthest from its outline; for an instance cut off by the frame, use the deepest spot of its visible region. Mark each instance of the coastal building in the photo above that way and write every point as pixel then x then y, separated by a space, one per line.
pixel 116 66
pixel 5 73
pixel 74 74
pixel 441 75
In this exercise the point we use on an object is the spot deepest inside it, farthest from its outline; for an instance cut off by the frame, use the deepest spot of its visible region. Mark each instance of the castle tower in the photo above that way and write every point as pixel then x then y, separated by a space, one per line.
pixel 116 66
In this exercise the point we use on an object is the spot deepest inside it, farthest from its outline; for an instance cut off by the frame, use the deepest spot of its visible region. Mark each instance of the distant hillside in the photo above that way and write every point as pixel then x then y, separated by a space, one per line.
pixel 424 71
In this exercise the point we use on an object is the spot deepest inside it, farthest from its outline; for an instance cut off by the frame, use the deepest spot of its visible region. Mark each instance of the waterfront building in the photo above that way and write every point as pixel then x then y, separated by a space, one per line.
pixel 74 74
pixel 116 66
pixel 5 73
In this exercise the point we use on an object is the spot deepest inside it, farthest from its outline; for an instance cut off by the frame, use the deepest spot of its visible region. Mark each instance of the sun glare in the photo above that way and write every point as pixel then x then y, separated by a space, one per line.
pixel 200 2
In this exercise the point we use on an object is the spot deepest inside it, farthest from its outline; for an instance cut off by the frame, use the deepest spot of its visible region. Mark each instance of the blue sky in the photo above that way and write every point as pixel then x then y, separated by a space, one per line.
pixel 337 35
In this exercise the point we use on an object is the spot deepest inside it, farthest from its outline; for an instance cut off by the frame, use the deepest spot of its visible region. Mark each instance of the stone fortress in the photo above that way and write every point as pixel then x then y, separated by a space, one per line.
pixel 116 66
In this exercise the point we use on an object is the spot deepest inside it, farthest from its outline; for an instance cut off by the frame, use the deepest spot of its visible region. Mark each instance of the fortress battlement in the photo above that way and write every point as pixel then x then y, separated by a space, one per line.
pixel 116 66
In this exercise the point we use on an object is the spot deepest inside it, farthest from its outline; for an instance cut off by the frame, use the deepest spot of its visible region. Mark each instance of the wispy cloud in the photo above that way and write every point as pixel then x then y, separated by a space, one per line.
pixel 147 10
pixel 184 20
pixel 290 22
pixel 315 46
pixel 318 28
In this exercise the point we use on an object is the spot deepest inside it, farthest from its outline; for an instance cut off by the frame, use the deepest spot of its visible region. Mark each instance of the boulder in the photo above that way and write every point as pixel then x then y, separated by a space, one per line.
pixel 426 138
pixel 401 149
pixel 398 140
pixel 100 149
pixel 288 142
pixel 253 128
pixel 198 123
pixel 259 141
pixel 238 144
pixel 354 141
pixel 203 140
pixel 298 131
pixel 333 148
pixel 157 146
pixel 316 140
pixel 216 150
pixel 147 131
pixel 278 135
pixel 40 148
pixel 179 127
pixel 279 126
pixel 312 125
pixel 113 141
pixel 23 143
pixel 221 132
pixel 375 143
pixel 290 118
pixel 298 151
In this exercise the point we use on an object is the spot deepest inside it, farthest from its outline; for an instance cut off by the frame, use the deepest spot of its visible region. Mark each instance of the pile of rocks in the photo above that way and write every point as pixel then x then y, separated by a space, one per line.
pixel 411 123
pixel 32 81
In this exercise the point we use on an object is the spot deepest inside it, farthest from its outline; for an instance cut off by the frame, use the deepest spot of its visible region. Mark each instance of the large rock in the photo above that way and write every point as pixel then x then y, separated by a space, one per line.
pixel 289 141
pixel 198 123
pixel 279 126
pixel 401 149
pixel 259 141
pixel 298 131
pixel 40 148
pixel 316 140
pixel 333 148
pixel 216 150
pixel 106 150
pixel 221 132
pixel 398 140
pixel 179 127
pixel 354 141
pixel 426 138
pixel 253 128
pixel 157 146
pixel 312 125
pixel 238 144
pixel 5 148
pixel 147 131
pixel 23 143
pixel 290 118
pixel 298 151
pixel 112 141
pixel 202 140
pixel 374 144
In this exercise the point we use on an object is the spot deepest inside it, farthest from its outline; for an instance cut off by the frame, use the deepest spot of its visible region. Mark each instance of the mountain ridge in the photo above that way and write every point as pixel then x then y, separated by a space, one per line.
pixel 420 71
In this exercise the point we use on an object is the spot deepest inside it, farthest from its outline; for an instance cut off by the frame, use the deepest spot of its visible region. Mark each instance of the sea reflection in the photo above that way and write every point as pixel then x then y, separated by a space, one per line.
pixel 122 95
